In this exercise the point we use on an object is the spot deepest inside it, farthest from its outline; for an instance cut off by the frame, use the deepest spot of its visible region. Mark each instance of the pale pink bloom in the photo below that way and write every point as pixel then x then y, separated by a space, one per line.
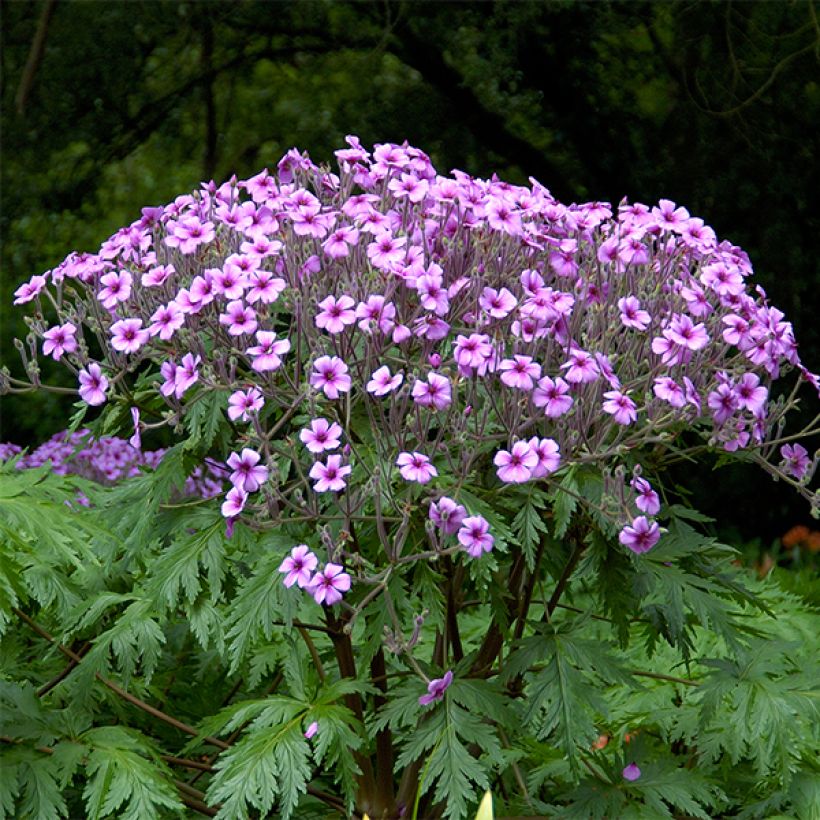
pixel 497 303
pixel 549 456
pixel 796 460
pixel 581 367
pixel 383 381
pixel 647 499
pixel 330 375
pixel 228 282
pixel 117 288
pixel 310 221
pixel 242 404
pixel 501 216
pixel 168 372
pixel 436 689
pixel 376 313
pixel 338 244
pixel 696 302
pixel 620 407
pixel 409 186
pixel 631 313
pixel 641 536
pixel 401 333
pixel 670 217
pixel 267 355
pixel 264 287
pixel 234 502
pixel 93 385
pixel 128 335
pixel 311 730
pixel 330 476
pixel 670 391
pixel 516 466
pixel 186 374
pixel 685 333
pixel 248 474
pixel 552 395
pixel 29 290
pixel 416 467
pixel 386 250
pixel 447 515
pixel 751 395
pixel 722 402
pixel 436 392
pixel 239 318
pixel 299 566
pixel 431 327
pixel 336 314
pixel 472 350
pixel 725 280
pixel 432 293
pixel 166 319
pixel 520 372
pixel 59 340
pixel 321 435
pixel 475 537
pixel 202 289
pixel 156 276
pixel 328 584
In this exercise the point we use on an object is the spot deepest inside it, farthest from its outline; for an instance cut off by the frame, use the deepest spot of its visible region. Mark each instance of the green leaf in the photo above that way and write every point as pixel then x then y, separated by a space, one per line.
pixel 564 502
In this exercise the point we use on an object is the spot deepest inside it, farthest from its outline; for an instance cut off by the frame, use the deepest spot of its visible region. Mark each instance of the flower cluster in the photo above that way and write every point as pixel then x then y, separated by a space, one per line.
pixel 385 335
pixel 326 585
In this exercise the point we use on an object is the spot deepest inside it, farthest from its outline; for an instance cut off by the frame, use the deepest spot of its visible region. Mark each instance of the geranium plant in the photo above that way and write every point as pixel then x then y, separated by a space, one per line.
pixel 446 555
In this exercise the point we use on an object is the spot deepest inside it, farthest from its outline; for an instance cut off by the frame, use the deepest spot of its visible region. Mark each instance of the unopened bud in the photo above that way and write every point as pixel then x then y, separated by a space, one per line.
pixel 434 359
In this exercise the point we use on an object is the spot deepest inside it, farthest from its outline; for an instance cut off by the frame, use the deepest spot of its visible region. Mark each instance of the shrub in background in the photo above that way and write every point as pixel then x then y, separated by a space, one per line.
pixel 445 556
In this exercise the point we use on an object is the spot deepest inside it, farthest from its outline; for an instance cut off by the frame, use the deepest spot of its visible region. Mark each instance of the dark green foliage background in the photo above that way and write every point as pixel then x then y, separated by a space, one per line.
pixel 714 105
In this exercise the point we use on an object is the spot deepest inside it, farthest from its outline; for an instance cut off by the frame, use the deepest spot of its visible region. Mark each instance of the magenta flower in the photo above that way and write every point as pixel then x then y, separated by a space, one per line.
pixel 248 474
pixel 228 282
pixel 299 566
pixel 631 313
pixel 447 515
pixel 620 407
pixel 409 186
pixel 520 372
pixel 330 476
pixel 581 367
pixel 59 340
pixel 516 466
pixel 168 371
pixel 242 404
pixel 328 584
pixel 336 314
pixel 751 395
pixel 186 374
pixel 685 333
pixel 234 502
pixel 552 395
pixel 436 392
pixel 670 391
pixel 93 385
pixel 722 402
pixel 436 689
pixel 472 351
pixel 631 772
pixel 267 355
pixel 239 318
pixel 117 288
pixel 497 303
pixel 647 499
pixel 383 382
pixel 264 287
pixel 128 335
pixel 475 537
pixel 338 244
pixel 795 459
pixel 386 250
pixel 549 456
pixel 330 375
pixel 166 320
pixel 641 536
pixel 432 293
pixel 312 729
pixel 29 290
pixel 376 313
pixel 321 435
pixel 416 467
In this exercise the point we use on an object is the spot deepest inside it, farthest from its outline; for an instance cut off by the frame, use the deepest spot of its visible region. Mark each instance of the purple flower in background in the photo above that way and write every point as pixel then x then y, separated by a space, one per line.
pixel 166 320
pixel 631 772
pixel 447 515
pixel 93 385
pixel 416 467
pixel 795 459
pixel 234 502
pixel 436 689
pixel 299 566
pixel 248 474
pixel 328 584
pixel 117 288
pixel 436 392
pixel 475 537
pixel 515 466
pixel 186 374
pixel 641 536
pixel 647 499
pixel 632 315
pixel 497 303
pixel 330 375
pixel 581 367
pixel 29 290
pixel 670 391
pixel 330 476
pixel 59 340
pixel 311 730
pixel 383 381
pixel 242 404
pixel 321 435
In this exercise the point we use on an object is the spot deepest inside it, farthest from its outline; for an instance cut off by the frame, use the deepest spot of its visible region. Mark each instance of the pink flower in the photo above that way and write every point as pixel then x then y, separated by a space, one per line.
pixel 135 441
pixel 581 367
pixel 722 402
pixel 29 290
pixel 416 467
pixel 409 186
pixel 475 537
pixel 59 340
pixel 641 536
pixel 166 321
pixel 128 336
pixel 234 502
pixel 497 303
pixel 186 374
pixel 239 318
pixel 299 566
pixel 386 250
pixel 647 499
pixel 670 391
pixel 311 730
pixel 436 689
pixel 321 435
pixel 376 313
pixel 432 293
pixel 620 407
pixel 264 287
pixel 795 459
pixel 631 772
pixel 552 396
pixel 242 404
pixel 436 392
pixel 168 371
pixel 516 466
pixel 383 382
pixel 631 313
pixel 330 476
pixel 472 351
pixel 751 395
pixel 549 456
pixel 330 375
pixel 268 352
pixel 338 244
pixel 682 331
pixel 228 282
pixel 328 584
pixel 117 288
pixel 248 474
pixel 520 372
pixel 335 314
pixel 447 515
pixel 93 385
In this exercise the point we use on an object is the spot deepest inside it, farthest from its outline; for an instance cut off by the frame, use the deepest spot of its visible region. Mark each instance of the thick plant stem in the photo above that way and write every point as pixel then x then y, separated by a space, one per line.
pixel 384 739
pixel 574 558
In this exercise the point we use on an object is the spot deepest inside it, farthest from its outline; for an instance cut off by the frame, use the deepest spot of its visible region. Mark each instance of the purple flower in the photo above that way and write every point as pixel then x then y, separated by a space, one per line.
pixel 436 689
pixel 581 367
pixel 553 396
pixel 516 466
pixel 330 375
pixel 447 515
pixel 335 314
pixel 475 537
pixel 234 502
pixel 321 435
pixel 631 313
pixel 795 459
pixel 264 287
pixel 186 374
pixel 117 288
pixel 722 402
pixel 242 404
pixel 299 566
pixel 383 382
pixel 751 395
pixel 620 407
pixel 435 392
pixel 641 536
pixel 238 318
pixel 670 391
pixel 432 293
pixel 647 499
pixel 128 336
pixel 416 467
pixel 248 474
pixel 59 340
pixel 497 303
pixel 330 476
pixel 520 372
pixel 311 730
pixel 93 385
pixel 166 321
pixel 267 354
pixel 631 772
pixel 29 290
pixel 549 457
pixel 328 584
